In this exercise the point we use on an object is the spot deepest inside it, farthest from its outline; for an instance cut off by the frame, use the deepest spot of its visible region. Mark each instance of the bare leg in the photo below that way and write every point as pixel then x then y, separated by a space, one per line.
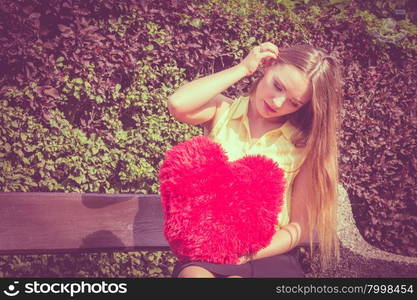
pixel 195 272
pixel 234 276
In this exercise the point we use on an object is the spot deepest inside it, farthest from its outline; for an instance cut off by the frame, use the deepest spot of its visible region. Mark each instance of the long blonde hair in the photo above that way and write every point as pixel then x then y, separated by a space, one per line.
pixel 318 122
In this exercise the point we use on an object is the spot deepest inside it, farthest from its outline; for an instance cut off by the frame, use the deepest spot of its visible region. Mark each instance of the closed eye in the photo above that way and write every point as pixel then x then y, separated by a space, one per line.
pixel 279 89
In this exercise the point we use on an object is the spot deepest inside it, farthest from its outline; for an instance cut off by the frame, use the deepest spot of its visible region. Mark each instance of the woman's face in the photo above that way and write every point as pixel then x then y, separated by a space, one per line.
pixel 283 90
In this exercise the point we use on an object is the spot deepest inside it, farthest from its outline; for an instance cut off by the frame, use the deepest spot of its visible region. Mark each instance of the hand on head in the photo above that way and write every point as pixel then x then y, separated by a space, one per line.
pixel 263 54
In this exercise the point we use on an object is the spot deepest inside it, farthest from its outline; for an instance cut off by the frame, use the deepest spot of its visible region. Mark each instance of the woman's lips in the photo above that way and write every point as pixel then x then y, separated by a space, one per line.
pixel 269 108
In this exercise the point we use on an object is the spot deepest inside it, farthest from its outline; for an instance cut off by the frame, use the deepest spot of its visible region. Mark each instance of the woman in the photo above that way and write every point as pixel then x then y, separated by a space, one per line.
pixel 291 114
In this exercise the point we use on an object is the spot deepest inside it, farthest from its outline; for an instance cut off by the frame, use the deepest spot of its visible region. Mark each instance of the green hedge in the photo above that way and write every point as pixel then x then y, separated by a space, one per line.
pixel 96 120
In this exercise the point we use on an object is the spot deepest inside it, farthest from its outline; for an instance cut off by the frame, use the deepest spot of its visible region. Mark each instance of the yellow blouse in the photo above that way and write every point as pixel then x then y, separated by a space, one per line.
pixel 232 132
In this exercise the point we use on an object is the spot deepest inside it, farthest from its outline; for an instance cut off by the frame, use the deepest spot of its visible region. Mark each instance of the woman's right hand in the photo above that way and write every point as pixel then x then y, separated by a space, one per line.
pixel 262 53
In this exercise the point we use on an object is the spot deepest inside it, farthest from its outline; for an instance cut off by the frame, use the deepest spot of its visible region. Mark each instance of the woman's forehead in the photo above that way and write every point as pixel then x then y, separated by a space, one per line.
pixel 289 73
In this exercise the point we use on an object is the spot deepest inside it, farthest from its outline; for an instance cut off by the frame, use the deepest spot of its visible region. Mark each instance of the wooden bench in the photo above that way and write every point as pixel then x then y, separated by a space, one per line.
pixel 43 223
pixel 49 223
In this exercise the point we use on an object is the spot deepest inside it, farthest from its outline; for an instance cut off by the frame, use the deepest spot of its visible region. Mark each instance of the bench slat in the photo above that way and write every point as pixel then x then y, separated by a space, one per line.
pixel 79 222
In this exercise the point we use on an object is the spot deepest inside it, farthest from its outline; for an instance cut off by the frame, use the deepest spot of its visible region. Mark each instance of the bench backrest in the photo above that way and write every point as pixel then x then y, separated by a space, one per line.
pixel 78 222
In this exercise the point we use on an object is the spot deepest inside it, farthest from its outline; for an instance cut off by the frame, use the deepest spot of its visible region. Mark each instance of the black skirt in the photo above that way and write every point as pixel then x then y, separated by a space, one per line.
pixel 277 266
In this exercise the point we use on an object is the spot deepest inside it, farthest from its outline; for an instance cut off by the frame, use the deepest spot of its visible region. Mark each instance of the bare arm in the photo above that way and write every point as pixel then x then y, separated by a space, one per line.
pixel 283 241
pixel 197 93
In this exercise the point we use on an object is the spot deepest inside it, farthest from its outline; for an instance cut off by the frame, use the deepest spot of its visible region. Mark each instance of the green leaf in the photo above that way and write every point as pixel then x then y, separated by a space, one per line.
pixel 83 139
pixel 78 80
pixel 121 135
pixel 99 99
pixel 50 167
pixel 39 156
pixel 20 153
pixel 30 148
pixel 196 23
pixel 79 179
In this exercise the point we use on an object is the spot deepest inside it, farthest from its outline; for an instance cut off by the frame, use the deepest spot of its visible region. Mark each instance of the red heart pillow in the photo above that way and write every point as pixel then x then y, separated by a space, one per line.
pixel 215 210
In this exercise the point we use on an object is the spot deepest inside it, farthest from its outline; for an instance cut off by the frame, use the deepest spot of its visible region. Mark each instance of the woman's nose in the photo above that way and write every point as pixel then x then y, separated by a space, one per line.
pixel 278 101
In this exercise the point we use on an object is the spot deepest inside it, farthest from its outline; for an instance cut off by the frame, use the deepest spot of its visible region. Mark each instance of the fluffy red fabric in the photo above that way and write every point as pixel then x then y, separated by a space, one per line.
pixel 215 210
